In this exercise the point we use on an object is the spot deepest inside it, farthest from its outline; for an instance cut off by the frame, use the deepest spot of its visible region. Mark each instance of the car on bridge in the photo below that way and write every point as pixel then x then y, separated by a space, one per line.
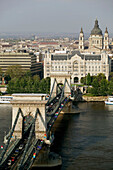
pixel 21 146
pixel 9 162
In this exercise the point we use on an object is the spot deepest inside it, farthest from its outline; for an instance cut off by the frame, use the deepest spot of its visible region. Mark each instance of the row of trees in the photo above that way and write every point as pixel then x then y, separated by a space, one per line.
pixel 21 81
pixel 100 86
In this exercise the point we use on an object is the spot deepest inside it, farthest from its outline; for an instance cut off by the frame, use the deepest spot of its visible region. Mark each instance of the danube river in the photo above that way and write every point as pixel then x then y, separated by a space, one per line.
pixel 85 140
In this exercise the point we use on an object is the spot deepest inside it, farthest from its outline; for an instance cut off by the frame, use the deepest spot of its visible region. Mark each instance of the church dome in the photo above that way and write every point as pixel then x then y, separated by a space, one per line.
pixel 96 30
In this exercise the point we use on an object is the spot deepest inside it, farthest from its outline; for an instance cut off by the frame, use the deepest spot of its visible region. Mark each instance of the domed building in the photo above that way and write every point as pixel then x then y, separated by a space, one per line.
pixel 96 40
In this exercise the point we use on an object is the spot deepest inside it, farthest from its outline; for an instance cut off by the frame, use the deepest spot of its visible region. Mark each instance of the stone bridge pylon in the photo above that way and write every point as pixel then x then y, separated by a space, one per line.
pixel 28 103
pixel 60 80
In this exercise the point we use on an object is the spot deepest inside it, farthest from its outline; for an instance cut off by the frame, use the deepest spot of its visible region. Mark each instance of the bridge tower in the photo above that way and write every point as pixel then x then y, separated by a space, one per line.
pixel 29 103
pixel 60 79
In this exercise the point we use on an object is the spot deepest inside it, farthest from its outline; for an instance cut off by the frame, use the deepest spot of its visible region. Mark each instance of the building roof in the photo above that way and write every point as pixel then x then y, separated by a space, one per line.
pixel 69 56
pixel 81 30
pixel 91 57
pixel 59 57
pixel 48 43
pixel 106 31
pixel 96 30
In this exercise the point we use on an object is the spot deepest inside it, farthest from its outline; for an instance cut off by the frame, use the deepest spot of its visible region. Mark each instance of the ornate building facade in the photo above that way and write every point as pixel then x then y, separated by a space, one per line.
pixel 76 64
pixel 97 42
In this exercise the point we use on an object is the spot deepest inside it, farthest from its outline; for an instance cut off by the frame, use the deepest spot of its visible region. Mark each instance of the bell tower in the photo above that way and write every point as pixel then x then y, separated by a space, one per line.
pixel 106 40
pixel 81 40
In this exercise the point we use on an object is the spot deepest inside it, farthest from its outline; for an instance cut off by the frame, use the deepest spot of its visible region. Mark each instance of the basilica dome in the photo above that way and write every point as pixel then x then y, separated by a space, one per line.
pixel 96 30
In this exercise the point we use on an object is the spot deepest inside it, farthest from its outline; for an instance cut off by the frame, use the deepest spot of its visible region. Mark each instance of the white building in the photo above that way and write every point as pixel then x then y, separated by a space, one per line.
pixel 77 64
pixel 97 42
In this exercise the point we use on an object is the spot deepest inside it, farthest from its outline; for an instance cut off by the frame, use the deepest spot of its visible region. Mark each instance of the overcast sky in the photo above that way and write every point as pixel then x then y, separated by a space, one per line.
pixel 55 15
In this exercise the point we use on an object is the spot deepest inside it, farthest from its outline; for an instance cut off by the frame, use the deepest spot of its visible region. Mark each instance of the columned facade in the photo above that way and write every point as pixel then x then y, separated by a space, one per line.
pixel 106 40
pixel 96 40
pixel 77 65
pixel 81 40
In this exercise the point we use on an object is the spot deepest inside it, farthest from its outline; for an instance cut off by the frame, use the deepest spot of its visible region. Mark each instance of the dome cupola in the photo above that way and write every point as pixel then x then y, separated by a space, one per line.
pixel 96 30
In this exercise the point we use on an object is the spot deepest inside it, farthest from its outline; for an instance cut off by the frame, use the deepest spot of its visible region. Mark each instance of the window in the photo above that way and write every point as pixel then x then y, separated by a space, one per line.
pixel 105 38
pixel 75 63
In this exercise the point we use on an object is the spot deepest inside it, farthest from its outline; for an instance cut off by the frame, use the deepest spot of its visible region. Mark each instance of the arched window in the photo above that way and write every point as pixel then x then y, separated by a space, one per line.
pixel 75 66
pixel 76 79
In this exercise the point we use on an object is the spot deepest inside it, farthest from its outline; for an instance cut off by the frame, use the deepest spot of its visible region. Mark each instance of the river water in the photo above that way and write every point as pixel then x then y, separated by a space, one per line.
pixel 85 140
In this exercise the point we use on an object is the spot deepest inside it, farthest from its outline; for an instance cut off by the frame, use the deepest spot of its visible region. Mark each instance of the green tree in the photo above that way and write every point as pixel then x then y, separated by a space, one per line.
pixel 111 76
pixel 83 80
pixel 47 84
pixel 28 84
pixel 100 76
pixel 22 84
pixel 103 90
pixel 36 84
pixel 15 71
pixel 95 87
pixel 88 79
pixel 1 72
pixel 110 87
pixel 28 87
pixel 42 86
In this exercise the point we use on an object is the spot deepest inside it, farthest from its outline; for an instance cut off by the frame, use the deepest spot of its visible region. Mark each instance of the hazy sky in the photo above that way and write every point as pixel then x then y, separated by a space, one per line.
pixel 55 15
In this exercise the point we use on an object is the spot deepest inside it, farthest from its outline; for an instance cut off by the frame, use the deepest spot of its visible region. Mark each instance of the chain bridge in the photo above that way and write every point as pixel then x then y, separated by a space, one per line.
pixel 33 116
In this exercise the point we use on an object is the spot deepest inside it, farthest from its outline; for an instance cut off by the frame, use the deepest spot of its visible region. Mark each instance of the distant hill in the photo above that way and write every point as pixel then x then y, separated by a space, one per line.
pixel 29 35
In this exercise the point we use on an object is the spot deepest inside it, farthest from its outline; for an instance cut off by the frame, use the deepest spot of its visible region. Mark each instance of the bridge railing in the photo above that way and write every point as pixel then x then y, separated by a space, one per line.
pixel 11 133
pixel 20 166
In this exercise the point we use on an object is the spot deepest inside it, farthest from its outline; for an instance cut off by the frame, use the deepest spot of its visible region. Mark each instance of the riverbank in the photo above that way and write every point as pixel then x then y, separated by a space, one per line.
pixel 94 98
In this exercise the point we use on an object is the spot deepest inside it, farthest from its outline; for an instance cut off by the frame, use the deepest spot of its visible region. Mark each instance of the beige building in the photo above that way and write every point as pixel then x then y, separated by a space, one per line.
pixel 97 42
pixel 28 61
pixel 76 64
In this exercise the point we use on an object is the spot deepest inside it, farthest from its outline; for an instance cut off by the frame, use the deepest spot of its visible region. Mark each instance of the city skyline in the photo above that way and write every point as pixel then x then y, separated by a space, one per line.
pixel 66 16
